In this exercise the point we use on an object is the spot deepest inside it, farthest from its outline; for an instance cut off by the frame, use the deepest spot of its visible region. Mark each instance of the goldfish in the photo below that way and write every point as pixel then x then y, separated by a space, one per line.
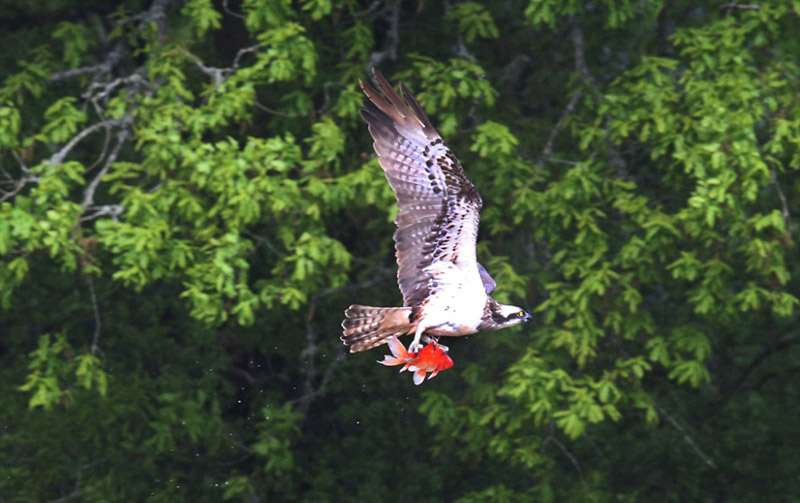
pixel 432 358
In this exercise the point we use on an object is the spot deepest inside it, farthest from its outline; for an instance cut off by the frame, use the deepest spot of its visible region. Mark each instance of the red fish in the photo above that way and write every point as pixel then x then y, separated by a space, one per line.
pixel 432 358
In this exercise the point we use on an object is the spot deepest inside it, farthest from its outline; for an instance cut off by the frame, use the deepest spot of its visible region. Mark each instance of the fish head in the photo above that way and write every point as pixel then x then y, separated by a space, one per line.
pixel 443 361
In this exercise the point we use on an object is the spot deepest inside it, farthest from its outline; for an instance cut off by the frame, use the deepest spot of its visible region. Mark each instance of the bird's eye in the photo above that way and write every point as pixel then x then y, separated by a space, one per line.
pixel 521 314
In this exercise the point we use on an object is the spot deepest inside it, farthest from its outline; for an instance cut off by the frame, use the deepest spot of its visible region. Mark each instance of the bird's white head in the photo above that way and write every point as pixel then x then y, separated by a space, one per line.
pixel 514 315
pixel 499 316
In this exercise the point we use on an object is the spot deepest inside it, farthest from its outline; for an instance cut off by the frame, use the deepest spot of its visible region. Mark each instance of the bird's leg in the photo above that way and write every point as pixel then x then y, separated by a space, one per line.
pixel 415 345
pixel 427 339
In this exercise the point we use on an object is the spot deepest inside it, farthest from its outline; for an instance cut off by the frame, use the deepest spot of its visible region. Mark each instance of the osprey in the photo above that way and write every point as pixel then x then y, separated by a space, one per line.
pixel 445 290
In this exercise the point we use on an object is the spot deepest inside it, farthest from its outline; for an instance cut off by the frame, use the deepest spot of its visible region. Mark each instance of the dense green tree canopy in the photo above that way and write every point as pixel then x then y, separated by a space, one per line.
pixel 189 200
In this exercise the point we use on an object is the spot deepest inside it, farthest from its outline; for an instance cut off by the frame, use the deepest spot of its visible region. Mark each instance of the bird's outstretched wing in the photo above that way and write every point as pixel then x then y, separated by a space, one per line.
pixel 439 208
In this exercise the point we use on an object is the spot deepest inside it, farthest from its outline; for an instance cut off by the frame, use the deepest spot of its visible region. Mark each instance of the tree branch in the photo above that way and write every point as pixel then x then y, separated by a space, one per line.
pixel 782 344
pixel 155 13
pixel 77 71
pixel 369 10
pixel 461 50
pixel 579 55
pixel 686 437
pixel 265 241
pixel 59 156
pixel 111 210
pixel 394 38
pixel 242 52
pixel 229 11
pixel 576 34
pixel 112 58
pixel 110 86
pixel 568 454
pixel 265 108
pixel 95 349
pixel 19 185
pixel 310 390
pixel 787 217
pixel 77 493
pixel 740 6
pixel 217 74
pixel 547 152
pixel 88 196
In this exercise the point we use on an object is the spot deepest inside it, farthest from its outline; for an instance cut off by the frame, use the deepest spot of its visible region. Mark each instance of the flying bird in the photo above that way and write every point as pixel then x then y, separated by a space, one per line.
pixel 446 292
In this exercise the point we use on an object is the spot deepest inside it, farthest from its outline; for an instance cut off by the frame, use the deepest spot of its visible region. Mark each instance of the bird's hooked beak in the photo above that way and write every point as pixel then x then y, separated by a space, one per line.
pixel 527 317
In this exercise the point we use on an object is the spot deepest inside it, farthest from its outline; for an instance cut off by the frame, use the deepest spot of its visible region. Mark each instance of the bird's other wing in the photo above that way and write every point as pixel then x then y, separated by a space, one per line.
pixel 488 281
pixel 439 208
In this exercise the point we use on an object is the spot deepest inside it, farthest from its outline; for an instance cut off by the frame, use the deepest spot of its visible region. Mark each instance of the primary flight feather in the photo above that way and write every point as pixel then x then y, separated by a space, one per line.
pixel 445 290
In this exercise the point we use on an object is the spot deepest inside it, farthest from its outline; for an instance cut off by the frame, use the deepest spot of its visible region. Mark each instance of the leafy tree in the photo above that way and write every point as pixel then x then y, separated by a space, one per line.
pixel 189 199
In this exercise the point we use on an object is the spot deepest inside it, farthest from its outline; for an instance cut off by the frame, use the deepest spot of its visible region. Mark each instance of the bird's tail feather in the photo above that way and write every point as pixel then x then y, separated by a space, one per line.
pixel 366 327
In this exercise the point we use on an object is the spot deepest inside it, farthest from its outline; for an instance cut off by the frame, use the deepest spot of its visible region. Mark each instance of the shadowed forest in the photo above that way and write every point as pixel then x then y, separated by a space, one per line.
pixel 189 200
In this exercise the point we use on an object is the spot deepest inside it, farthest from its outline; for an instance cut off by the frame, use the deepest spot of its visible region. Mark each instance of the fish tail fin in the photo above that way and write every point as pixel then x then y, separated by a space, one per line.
pixel 400 356
pixel 366 327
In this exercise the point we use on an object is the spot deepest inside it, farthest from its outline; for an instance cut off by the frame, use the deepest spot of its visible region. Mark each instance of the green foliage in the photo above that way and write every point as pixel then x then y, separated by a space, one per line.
pixel 9 126
pixel 616 12
pixel 76 40
pixel 474 21
pixel 188 200
pixel 202 15
pixel 53 365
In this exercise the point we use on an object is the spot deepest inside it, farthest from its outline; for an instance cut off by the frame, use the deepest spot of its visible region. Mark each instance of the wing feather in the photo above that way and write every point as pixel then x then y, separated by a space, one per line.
pixel 439 208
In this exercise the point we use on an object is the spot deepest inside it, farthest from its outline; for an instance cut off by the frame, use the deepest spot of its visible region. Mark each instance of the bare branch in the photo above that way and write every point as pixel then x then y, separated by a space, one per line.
pixel 88 196
pixel 265 241
pixel 547 152
pixel 369 10
pixel 740 6
pixel 103 152
pixel 216 74
pixel 304 402
pixel 20 184
pixel 156 13
pixel 265 108
pixel 460 49
pixel 77 71
pixel 394 38
pixel 112 58
pixel 111 210
pixel 77 493
pixel 567 453
pixel 563 161
pixel 96 312
pixel 787 218
pixel 242 52
pixel 107 87
pixel 323 109
pixel 310 390
pixel 229 11
pixel 686 437
pixel 576 34
pixel 782 344
pixel 59 156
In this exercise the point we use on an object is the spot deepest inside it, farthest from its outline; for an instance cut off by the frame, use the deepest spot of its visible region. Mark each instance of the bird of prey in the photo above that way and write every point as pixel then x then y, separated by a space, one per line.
pixel 445 290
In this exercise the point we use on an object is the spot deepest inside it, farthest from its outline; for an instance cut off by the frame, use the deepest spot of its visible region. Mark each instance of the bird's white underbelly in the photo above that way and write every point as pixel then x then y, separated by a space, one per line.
pixel 456 306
